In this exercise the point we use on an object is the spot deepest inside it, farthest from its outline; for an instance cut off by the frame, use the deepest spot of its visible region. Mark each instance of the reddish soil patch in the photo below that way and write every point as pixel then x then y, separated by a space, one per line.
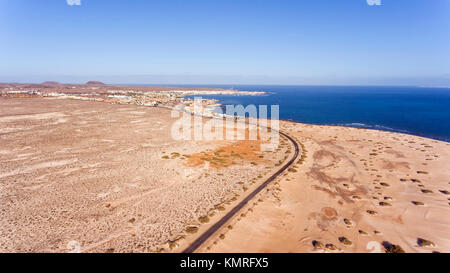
pixel 224 156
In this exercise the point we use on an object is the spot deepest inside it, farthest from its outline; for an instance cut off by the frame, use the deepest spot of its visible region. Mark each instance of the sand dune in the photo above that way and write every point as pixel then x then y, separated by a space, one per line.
pixel 355 190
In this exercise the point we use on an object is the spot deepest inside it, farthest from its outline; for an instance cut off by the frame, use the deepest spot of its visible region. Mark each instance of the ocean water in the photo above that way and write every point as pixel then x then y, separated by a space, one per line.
pixel 411 110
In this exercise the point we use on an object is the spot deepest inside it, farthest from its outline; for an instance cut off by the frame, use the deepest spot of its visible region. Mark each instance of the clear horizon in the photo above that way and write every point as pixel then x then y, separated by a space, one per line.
pixel 325 42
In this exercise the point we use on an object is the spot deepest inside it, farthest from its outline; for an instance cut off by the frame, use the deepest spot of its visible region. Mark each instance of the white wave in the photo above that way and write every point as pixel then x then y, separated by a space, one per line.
pixel 376 126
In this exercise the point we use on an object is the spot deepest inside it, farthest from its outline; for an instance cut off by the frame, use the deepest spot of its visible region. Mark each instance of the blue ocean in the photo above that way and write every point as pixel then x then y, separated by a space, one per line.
pixel 411 110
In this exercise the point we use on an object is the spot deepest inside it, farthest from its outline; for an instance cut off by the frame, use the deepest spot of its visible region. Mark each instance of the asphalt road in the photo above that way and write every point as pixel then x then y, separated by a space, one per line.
pixel 219 224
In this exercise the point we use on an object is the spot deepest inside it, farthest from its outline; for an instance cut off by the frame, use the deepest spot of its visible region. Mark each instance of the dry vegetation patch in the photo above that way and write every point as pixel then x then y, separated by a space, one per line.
pixel 227 155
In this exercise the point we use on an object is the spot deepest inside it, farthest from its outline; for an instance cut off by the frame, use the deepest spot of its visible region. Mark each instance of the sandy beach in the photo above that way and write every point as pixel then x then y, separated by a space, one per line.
pixel 99 177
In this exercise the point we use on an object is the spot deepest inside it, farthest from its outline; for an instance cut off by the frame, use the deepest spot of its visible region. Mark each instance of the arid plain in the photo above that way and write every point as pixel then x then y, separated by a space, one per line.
pixel 110 178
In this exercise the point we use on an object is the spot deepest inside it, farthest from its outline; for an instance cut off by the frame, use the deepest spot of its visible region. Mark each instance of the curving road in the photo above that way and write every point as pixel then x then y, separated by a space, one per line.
pixel 209 232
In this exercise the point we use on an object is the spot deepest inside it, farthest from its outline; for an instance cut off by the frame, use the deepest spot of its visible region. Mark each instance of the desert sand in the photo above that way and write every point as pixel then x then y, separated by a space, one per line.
pixel 353 190
pixel 95 177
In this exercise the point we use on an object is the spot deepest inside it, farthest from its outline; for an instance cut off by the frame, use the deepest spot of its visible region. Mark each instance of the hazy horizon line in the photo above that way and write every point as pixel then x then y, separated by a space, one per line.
pixel 231 84
pixel 153 79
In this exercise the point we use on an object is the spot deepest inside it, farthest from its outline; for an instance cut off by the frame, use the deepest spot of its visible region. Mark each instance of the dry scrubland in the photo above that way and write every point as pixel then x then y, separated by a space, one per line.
pixel 111 178
pixel 353 190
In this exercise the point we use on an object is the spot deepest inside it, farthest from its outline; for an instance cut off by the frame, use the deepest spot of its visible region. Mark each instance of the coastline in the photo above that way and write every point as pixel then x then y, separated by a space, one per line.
pixel 350 187
pixel 412 110
pixel 390 130
pixel 166 96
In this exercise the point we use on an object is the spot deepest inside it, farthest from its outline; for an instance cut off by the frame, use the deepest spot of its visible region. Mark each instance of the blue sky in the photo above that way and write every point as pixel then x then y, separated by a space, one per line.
pixel 403 42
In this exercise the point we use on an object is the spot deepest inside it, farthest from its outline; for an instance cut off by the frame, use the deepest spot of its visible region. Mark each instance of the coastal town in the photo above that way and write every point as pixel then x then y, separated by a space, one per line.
pixel 134 95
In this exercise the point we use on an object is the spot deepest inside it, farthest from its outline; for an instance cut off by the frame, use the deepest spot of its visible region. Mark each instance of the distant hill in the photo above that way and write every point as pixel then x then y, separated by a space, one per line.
pixel 50 84
pixel 94 83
